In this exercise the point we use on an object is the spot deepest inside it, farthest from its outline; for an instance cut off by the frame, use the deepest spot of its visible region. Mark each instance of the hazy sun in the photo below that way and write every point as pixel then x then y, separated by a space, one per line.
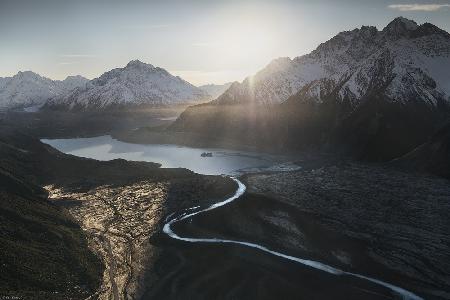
pixel 244 35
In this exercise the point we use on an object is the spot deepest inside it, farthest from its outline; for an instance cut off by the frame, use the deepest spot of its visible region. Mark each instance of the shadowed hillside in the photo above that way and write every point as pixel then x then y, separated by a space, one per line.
pixel 44 251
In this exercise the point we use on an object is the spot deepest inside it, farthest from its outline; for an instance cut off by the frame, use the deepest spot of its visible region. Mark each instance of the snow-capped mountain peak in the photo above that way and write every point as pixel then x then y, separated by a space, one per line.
pixel 400 27
pixel 27 88
pixel 139 64
pixel 27 75
pixel 403 61
pixel 135 84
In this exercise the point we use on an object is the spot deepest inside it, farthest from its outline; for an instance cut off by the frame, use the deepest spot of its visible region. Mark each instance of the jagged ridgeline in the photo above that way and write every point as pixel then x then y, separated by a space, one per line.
pixel 374 94
pixel 135 85
pixel 28 88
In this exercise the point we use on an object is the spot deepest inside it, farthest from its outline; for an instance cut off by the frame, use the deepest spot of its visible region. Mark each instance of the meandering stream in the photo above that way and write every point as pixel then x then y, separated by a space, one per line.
pixel 191 212
pixel 226 162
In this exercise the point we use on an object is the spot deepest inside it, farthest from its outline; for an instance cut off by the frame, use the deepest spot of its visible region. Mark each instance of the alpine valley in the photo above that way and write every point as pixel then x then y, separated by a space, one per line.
pixel 324 176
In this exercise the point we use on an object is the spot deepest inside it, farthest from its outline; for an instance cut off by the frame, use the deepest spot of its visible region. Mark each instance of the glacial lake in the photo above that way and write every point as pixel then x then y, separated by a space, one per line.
pixel 227 162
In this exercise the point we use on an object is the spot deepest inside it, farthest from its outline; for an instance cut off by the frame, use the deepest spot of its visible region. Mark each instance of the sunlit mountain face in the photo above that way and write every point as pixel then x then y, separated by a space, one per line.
pixel 224 149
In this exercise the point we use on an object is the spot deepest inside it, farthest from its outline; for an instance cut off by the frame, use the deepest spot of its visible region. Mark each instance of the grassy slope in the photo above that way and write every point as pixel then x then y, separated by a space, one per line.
pixel 44 252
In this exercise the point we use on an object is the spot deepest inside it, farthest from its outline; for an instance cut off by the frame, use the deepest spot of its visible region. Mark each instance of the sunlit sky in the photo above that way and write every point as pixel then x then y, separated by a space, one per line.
pixel 201 41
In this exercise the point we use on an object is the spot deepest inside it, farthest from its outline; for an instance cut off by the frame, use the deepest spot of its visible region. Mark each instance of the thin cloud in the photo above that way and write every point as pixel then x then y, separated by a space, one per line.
pixel 76 55
pixel 418 7
pixel 65 63
pixel 205 44
pixel 146 27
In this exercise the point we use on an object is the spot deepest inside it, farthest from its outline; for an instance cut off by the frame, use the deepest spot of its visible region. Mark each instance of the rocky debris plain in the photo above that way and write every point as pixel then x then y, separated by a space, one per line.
pixel 118 204
pixel 398 219
pixel 136 85
pixel 120 219
pixel 373 94
pixel 363 218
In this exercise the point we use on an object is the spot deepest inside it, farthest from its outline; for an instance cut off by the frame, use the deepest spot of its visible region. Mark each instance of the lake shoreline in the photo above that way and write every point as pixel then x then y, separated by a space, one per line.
pixel 218 161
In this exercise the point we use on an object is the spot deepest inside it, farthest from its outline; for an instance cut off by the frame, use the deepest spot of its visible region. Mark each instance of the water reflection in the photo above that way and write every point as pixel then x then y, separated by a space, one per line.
pixel 169 156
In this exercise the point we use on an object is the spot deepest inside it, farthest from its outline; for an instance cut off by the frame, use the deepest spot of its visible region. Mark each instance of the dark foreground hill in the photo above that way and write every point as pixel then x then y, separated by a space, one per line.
pixel 44 252
pixel 112 206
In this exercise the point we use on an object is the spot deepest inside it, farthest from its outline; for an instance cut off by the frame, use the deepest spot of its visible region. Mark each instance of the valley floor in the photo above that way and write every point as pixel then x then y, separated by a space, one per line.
pixel 119 220
pixel 365 219
pixel 118 205
pixel 394 225
pixel 369 219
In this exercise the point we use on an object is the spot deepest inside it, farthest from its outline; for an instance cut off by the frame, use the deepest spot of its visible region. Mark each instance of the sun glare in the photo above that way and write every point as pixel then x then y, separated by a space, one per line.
pixel 243 37
pixel 250 39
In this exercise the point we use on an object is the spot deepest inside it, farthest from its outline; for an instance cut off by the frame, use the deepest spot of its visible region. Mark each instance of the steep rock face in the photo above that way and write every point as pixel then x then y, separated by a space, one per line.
pixel 28 88
pixel 135 84
pixel 376 94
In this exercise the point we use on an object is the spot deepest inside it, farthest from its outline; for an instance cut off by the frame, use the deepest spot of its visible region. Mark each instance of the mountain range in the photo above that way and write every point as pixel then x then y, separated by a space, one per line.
pixel 28 89
pixel 376 93
pixel 136 84
pixel 405 58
